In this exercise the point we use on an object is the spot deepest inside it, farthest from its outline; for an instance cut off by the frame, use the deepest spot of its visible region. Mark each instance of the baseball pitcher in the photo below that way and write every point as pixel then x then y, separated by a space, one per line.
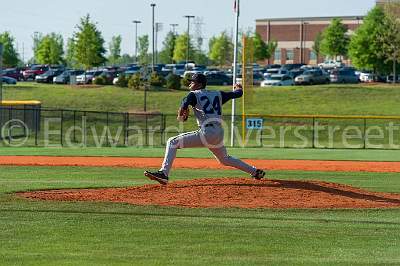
pixel 207 107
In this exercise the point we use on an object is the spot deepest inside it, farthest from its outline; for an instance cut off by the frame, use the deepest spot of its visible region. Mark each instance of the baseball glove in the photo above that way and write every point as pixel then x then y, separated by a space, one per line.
pixel 183 114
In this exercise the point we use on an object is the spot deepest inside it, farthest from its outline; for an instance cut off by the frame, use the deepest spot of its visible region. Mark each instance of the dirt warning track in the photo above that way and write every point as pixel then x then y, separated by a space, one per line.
pixel 201 163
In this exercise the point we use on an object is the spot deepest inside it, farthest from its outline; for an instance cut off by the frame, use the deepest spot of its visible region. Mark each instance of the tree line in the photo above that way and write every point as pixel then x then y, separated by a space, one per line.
pixel 87 49
pixel 374 46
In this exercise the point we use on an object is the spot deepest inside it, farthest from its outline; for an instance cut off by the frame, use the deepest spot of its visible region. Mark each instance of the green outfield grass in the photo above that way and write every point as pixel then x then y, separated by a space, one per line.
pixel 244 153
pixel 62 233
pixel 323 99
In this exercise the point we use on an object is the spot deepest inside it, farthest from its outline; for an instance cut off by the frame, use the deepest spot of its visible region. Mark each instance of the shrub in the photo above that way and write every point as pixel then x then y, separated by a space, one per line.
pixel 185 82
pixel 173 82
pixel 122 81
pixel 157 80
pixel 100 80
pixel 135 82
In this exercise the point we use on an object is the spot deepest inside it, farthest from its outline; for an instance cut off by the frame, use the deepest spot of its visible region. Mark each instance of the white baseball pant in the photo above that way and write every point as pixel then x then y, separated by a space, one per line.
pixel 211 137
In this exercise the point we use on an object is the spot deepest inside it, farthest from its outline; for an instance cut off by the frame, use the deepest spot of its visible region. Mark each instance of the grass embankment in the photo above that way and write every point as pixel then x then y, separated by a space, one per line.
pixel 340 99
pixel 48 233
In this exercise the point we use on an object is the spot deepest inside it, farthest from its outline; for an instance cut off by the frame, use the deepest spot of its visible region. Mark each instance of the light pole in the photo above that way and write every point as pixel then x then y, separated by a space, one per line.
pixel 159 27
pixel 153 30
pixel 235 59
pixel 304 41
pixel 188 37
pixel 136 43
pixel 173 27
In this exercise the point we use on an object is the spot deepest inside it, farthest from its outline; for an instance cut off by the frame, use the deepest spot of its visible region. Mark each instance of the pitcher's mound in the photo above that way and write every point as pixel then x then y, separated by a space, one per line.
pixel 232 192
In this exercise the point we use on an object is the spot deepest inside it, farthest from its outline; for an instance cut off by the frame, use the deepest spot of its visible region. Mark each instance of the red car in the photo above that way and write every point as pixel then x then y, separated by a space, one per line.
pixel 34 71
pixel 13 73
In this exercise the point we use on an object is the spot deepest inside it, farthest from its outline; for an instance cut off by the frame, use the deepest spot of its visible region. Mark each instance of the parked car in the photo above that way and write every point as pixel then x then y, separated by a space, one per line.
pixel 108 75
pixel 127 74
pixel 179 69
pixel 218 78
pixel 275 71
pixel 331 64
pixel 257 78
pixel 296 72
pixel 13 73
pixel 344 75
pixel 8 80
pixel 272 66
pixel 315 76
pixel 65 77
pixel 48 76
pixel 34 71
pixel 87 77
pixel 389 78
pixel 278 80
pixel 292 66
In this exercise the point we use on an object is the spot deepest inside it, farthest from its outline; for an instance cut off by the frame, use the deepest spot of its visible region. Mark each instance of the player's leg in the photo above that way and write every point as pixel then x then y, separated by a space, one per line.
pixel 222 156
pixel 185 140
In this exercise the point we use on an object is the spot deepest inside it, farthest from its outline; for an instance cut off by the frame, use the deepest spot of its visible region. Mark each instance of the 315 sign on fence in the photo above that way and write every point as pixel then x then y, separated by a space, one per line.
pixel 254 123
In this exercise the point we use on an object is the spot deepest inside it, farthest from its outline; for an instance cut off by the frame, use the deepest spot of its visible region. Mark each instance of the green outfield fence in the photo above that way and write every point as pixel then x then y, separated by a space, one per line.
pixel 35 126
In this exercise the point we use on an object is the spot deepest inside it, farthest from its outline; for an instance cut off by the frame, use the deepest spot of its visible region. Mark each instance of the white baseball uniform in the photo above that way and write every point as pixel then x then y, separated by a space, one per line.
pixel 207 107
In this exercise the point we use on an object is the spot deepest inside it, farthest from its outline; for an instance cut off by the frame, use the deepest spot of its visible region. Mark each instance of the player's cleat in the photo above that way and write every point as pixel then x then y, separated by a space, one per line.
pixel 259 174
pixel 159 176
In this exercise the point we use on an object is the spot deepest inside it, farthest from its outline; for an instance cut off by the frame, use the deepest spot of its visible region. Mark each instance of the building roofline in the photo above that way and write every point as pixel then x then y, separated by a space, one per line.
pixel 311 18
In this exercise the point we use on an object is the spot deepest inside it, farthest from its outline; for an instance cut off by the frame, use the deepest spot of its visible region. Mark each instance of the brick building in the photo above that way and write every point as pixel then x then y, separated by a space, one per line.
pixel 383 2
pixel 295 36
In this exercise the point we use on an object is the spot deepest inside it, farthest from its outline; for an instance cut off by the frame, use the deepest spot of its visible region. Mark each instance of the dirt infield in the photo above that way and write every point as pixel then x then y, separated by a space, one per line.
pixel 224 192
pixel 202 163
pixel 231 192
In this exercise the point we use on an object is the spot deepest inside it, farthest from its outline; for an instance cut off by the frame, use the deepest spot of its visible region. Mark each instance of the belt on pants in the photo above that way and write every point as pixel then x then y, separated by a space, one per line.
pixel 210 125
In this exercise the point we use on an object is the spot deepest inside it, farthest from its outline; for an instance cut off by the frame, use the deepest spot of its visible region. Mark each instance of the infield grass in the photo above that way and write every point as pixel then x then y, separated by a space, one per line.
pixel 244 153
pixel 84 233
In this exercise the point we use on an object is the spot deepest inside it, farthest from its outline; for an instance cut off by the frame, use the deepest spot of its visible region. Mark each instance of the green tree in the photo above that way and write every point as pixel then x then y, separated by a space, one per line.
pixel 70 53
pixel 89 45
pixel 261 51
pixel 221 50
pixel 167 53
pixel 201 58
pixel 271 46
pixel 50 50
pixel 10 54
pixel 37 38
pixel 335 40
pixel 390 37
pixel 180 50
pixel 115 49
pixel 366 44
pixel 317 44
pixel 143 50
pixel 125 59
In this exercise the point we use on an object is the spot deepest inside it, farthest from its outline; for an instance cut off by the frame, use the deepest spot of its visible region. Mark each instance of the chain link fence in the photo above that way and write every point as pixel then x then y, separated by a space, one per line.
pixel 35 126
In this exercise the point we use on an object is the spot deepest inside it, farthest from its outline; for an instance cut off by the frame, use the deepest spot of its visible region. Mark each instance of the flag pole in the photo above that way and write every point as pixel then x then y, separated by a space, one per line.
pixel 235 55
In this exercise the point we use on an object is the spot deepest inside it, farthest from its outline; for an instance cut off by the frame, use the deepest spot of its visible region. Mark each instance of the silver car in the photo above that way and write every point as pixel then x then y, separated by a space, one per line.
pixel 344 76
pixel 311 77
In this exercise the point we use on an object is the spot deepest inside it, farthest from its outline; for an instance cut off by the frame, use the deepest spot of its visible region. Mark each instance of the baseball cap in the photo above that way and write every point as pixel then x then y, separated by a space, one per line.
pixel 200 78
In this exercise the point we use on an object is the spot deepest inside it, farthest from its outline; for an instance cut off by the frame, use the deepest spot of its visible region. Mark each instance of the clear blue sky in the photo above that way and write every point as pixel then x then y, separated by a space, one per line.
pixel 22 18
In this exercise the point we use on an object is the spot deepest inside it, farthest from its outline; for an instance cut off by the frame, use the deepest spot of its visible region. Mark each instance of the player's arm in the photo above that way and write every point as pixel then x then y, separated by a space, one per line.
pixel 237 93
pixel 183 112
